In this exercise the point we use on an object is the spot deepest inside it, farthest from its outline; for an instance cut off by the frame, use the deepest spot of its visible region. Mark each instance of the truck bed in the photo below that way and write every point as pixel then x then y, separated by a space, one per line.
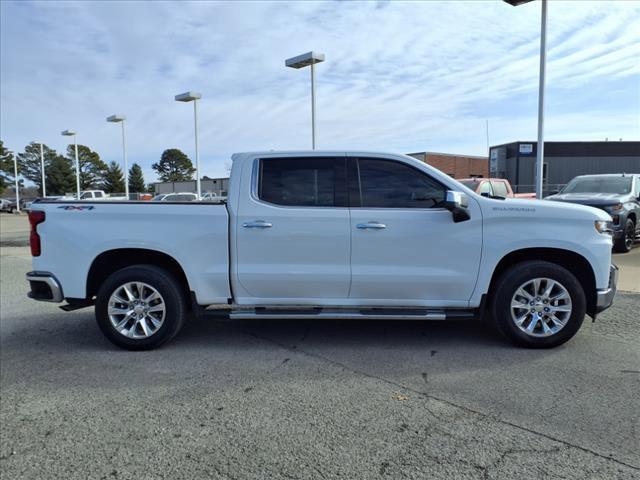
pixel 195 234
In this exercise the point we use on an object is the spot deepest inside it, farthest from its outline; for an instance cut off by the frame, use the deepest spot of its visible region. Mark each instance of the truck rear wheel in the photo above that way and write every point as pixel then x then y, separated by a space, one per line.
pixel 538 304
pixel 140 307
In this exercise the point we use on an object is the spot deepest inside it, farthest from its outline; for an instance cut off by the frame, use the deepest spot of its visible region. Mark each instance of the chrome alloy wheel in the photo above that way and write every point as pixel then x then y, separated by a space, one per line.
pixel 541 307
pixel 629 235
pixel 136 310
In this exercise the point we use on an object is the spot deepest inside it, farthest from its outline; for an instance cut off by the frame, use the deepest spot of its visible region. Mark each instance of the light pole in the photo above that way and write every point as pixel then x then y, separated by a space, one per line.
pixel 71 133
pixel 44 187
pixel 541 84
pixel 301 61
pixel 121 119
pixel 15 173
pixel 193 97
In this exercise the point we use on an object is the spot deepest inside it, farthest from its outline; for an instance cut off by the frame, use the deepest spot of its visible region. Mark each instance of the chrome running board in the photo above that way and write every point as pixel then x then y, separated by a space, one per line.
pixel 351 314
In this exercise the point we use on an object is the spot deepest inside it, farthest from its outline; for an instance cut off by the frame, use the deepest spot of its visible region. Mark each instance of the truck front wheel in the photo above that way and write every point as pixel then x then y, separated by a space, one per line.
pixel 625 242
pixel 538 304
pixel 140 307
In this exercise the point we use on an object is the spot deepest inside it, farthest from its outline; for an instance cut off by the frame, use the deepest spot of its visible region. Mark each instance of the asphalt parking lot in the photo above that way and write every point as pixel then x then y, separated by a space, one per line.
pixel 313 399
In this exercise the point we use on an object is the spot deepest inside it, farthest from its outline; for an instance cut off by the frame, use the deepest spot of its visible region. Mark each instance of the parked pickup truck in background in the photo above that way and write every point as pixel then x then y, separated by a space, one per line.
pixel 312 235
pixel 616 194
pixel 494 187
pixel 94 195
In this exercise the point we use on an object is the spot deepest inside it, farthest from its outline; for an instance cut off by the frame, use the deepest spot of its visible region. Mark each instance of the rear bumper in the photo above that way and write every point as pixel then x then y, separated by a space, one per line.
pixel 44 287
pixel 604 297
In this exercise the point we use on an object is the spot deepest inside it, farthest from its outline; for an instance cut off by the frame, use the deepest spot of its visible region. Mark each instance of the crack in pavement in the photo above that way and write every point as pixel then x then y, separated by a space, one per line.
pixel 296 349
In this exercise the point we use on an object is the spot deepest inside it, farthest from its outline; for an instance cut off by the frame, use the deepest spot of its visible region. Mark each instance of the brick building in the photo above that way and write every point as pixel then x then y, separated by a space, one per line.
pixel 456 166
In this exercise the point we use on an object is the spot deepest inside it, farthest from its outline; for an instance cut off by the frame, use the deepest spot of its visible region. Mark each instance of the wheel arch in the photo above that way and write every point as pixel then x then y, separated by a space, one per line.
pixel 632 216
pixel 572 261
pixel 111 261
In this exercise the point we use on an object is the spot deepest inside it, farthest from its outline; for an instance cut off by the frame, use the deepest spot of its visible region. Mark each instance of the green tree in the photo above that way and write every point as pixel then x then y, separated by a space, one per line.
pixel 136 179
pixel 61 177
pixel 92 168
pixel 174 166
pixel 6 167
pixel 113 181
pixel 30 165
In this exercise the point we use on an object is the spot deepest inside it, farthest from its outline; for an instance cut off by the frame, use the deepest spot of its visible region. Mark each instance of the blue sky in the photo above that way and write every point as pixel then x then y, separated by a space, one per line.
pixel 399 76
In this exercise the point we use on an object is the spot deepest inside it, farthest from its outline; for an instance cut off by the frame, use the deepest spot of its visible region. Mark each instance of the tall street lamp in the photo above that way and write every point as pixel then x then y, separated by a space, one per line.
pixel 541 84
pixel 44 187
pixel 71 133
pixel 15 174
pixel 121 119
pixel 301 61
pixel 193 97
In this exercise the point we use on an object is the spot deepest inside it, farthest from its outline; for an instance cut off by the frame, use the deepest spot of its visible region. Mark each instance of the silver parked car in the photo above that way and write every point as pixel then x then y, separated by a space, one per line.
pixel 176 197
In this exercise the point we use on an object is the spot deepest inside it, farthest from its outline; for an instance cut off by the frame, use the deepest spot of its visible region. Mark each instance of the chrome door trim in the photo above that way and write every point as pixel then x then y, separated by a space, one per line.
pixel 371 226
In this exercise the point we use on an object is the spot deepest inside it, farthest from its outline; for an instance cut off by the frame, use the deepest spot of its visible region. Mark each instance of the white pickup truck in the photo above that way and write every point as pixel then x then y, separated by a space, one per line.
pixel 349 235
pixel 93 195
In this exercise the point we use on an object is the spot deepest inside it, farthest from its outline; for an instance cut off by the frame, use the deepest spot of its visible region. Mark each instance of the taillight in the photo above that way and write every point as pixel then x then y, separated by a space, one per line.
pixel 35 217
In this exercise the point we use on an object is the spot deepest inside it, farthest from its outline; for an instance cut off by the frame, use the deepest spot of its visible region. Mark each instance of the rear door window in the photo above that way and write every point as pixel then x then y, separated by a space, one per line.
pixel 303 182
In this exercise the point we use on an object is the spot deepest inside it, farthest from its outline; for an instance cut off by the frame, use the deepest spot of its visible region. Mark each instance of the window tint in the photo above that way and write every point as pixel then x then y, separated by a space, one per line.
pixel 485 187
pixel 500 189
pixel 303 182
pixel 390 184
pixel 98 194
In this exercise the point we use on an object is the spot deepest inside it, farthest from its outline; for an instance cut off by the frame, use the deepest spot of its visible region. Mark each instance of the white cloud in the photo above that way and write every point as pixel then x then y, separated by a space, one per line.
pixel 401 76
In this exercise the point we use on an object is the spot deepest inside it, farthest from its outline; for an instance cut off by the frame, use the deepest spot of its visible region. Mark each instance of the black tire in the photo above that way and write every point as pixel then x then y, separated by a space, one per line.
pixel 11 209
pixel 166 285
pixel 511 280
pixel 625 242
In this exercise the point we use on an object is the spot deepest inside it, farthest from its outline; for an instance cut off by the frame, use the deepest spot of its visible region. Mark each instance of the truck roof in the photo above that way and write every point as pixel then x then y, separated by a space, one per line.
pixel 312 152
pixel 609 175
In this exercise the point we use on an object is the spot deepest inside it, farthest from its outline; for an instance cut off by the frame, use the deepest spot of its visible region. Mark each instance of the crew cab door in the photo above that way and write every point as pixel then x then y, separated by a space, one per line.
pixel 406 248
pixel 292 231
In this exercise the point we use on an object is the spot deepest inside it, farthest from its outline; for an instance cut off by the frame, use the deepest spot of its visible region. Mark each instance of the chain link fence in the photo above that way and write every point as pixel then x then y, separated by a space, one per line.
pixel 547 188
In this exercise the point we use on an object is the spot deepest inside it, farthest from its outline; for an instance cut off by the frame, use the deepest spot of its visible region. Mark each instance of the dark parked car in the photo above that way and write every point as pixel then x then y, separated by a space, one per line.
pixel 616 194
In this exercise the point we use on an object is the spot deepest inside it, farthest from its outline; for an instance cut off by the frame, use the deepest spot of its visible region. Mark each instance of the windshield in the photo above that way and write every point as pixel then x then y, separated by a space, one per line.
pixel 157 198
pixel 617 185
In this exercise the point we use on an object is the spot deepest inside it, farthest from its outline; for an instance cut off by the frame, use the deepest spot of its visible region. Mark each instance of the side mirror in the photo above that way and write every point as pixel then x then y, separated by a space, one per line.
pixel 458 204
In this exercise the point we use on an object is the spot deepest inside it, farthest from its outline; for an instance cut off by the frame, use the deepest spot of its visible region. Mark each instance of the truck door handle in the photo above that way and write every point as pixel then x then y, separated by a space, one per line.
pixel 371 225
pixel 257 224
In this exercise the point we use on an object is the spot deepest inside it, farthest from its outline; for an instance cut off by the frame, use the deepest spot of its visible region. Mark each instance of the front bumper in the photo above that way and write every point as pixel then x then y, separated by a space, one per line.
pixel 44 287
pixel 604 297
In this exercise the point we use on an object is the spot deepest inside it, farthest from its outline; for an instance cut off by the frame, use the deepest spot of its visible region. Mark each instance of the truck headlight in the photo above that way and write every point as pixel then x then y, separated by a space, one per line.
pixel 602 226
